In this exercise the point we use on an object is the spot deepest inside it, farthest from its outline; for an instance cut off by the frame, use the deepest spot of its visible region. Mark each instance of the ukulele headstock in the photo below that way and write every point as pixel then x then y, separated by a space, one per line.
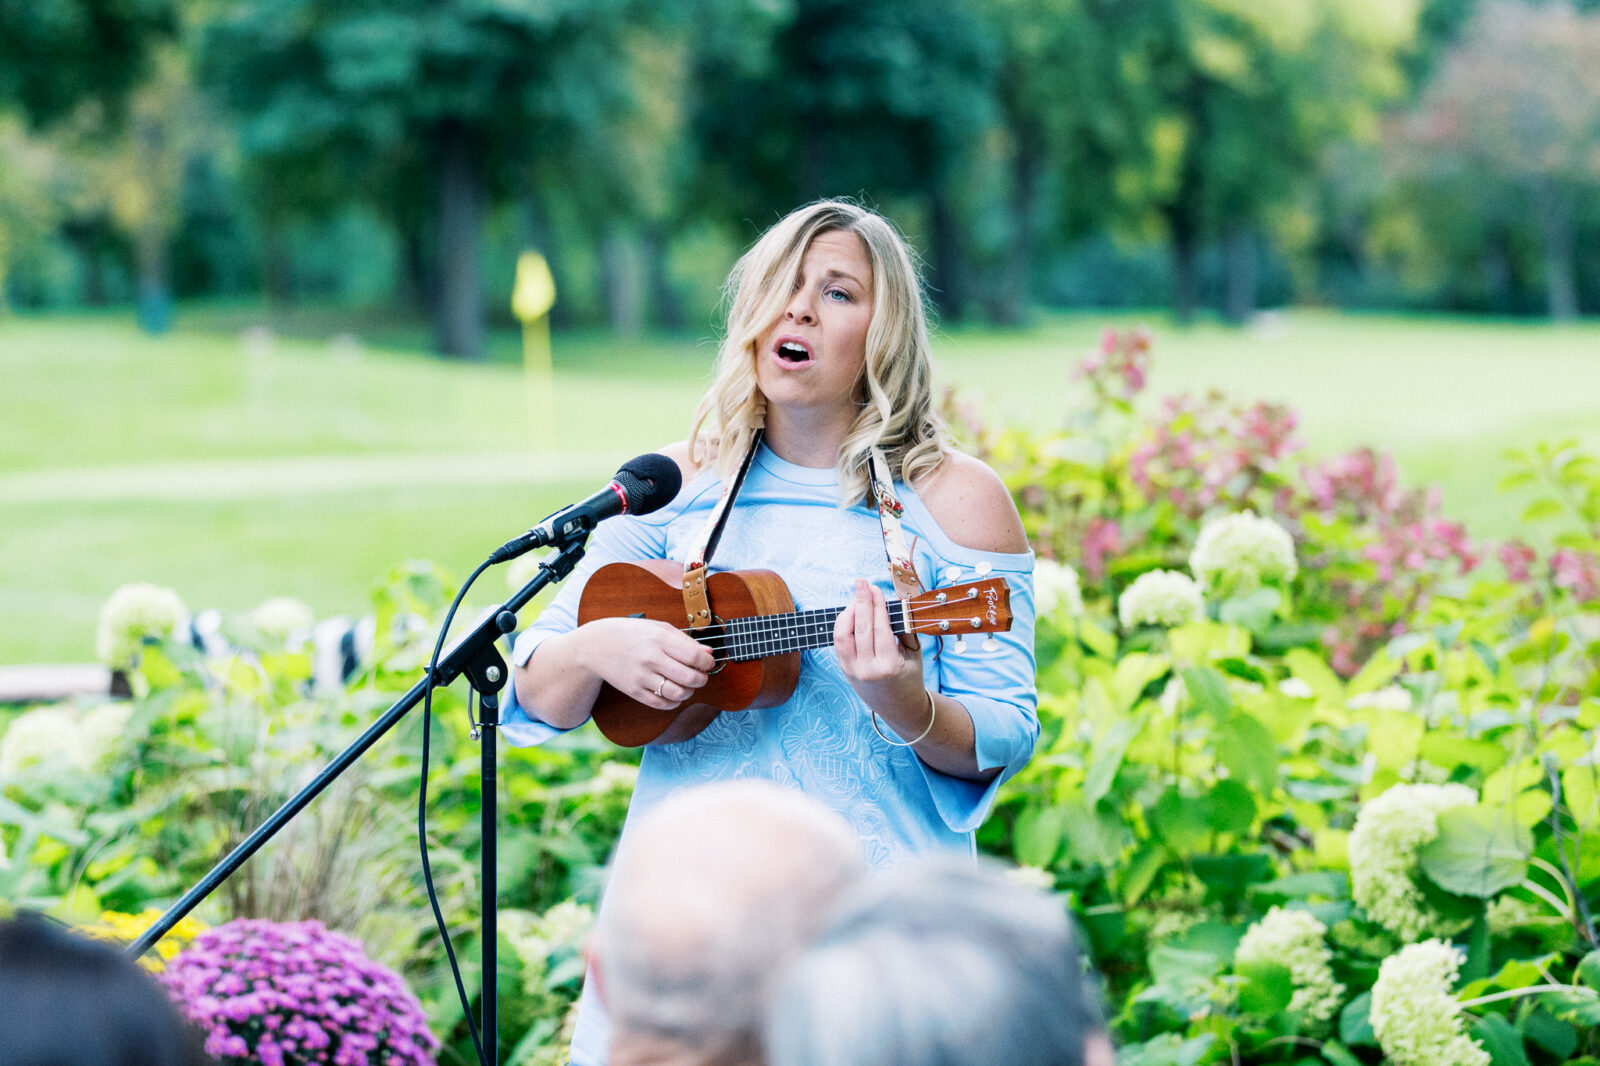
pixel 982 606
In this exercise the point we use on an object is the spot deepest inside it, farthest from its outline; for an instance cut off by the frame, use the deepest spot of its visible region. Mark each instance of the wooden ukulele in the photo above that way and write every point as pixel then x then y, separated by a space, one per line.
pixel 756 636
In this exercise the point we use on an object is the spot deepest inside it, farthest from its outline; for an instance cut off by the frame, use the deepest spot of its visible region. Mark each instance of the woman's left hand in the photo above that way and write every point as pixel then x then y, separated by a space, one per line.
pixel 884 669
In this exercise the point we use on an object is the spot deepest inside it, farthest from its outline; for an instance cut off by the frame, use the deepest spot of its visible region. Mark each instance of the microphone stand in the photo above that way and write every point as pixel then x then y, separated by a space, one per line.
pixel 476 656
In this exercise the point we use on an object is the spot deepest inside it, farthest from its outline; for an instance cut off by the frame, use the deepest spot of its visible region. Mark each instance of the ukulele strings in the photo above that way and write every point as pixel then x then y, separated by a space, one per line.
pixel 758 636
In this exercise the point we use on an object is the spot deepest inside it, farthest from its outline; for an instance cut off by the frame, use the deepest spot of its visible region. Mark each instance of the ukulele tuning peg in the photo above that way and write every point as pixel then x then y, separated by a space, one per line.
pixel 952 574
pixel 961 646
pixel 991 645
pixel 982 569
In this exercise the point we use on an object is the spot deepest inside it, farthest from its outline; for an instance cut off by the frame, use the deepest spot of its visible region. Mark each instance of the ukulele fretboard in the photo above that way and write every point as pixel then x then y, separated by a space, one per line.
pixel 760 636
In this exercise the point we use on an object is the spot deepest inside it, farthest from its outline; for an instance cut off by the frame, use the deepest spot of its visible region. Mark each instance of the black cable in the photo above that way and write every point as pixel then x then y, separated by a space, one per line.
pixel 422 821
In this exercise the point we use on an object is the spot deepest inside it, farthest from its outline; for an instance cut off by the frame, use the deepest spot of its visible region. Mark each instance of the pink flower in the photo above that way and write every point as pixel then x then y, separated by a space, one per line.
pixel 1103 537
pixel 1579 572
pixel 1517 558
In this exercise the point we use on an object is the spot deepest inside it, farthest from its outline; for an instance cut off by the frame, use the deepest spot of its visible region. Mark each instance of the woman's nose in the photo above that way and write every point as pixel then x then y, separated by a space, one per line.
pixel 800 309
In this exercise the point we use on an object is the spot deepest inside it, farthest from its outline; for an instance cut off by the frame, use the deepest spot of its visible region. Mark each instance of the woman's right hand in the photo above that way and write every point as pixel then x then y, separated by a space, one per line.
pixel 649 661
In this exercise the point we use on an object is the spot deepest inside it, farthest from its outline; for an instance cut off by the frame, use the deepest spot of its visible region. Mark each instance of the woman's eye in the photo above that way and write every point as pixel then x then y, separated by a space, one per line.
pixel 839 294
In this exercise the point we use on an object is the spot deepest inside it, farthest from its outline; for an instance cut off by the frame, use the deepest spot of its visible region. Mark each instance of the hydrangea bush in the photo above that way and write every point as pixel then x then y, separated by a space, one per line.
pixel 296 994
pixel 1353 740
pixel 123 809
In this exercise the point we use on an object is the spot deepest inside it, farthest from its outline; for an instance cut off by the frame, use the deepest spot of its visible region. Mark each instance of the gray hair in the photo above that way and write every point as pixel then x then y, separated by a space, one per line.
pixel 939 963
pixel 712 891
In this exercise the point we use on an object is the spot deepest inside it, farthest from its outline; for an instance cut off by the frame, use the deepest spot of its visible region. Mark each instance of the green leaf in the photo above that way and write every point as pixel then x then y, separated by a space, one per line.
pixel 1141 871
pixel 1253 610
pixel 1220 939
pixel 1500 1039
pixel 1355 1022
pixel 1588 970
pixel 1267 989
pixel 1336 1054
pixel 1037 835
pixel 1581 1007
pixel 1477 853
pixel 1330 884
pixel 1232 807
pixel 1442 749
pixel 1181 822
pixel 1229 877
pixel 1107 758
pixel 1310 667
pixel 1580 793
pixel 1557 1037
pixel 1247 749
pixel 1477 961
pixel 1378 672
pixel 1133 673
pixel 1394 737
pixel 1543 508
pixel 1097 640
pixel 1168 963
pixel 1168 1049
pixel 1208 692
pixel 1200 642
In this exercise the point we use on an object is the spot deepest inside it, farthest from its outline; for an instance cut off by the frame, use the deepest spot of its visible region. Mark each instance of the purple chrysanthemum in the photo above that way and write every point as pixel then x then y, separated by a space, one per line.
pixel 295 994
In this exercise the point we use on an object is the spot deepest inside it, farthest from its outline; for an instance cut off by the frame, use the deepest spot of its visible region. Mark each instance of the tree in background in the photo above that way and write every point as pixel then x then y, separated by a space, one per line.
pixel 1515 112
pixel 1249 96
pixel 57 54
pixel 58 57
pixel 426 109
pixel 873 98
pixel 1072 131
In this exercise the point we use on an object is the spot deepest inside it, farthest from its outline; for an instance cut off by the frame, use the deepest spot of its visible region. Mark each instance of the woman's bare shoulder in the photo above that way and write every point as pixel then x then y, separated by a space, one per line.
pixel 972 505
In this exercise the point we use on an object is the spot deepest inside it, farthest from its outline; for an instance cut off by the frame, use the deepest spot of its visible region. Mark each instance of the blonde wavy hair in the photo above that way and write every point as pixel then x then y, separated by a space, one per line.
pixel 897 414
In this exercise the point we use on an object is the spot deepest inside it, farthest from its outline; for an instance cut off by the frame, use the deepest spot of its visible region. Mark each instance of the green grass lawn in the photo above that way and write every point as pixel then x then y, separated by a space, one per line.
pixel 233 471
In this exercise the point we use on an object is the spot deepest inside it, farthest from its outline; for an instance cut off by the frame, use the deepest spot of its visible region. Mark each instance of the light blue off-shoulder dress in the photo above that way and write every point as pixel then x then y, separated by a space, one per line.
pixel 787 519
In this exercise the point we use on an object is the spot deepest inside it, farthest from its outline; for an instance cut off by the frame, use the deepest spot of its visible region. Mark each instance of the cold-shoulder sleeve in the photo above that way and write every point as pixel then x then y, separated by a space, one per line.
pixel 617 539
pixel 997 687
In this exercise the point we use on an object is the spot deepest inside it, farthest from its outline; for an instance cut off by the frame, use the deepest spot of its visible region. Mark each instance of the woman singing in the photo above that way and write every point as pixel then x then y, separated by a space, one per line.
pixel 827 356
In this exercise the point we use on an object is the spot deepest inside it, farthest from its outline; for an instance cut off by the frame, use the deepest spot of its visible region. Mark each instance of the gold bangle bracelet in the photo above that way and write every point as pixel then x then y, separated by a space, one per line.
pixel 933 712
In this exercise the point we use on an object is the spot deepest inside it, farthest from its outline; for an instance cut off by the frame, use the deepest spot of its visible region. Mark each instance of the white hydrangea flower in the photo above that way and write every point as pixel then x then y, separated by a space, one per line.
pixel 1056 588
pixel 282 616
pixel 87 740
pixel 1240 551
pixel 1383 856
pixel 1295 938
pixel 36 736
pixel 1160 598
pixel 615 777
pixel 1387 698
pixel 131 614
pixel 100 733
pixel 1416 1019
pixel 1170 925
pixel 1508 914
pixel 1032 877
pixel 1295 688
pixel 568 922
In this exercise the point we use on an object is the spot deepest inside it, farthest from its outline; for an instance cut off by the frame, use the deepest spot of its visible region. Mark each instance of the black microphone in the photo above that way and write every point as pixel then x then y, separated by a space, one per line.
pixel 644 484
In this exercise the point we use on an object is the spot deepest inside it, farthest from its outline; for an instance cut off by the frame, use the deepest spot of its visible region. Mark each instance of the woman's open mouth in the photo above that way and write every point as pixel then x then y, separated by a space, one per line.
pixel 793 352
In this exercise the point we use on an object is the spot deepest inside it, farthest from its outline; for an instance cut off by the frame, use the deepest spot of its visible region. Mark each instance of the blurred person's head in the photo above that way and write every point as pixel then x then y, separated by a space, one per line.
pixel 69 1001
pixel 895 389
pixel 939 963
pixel 712 891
